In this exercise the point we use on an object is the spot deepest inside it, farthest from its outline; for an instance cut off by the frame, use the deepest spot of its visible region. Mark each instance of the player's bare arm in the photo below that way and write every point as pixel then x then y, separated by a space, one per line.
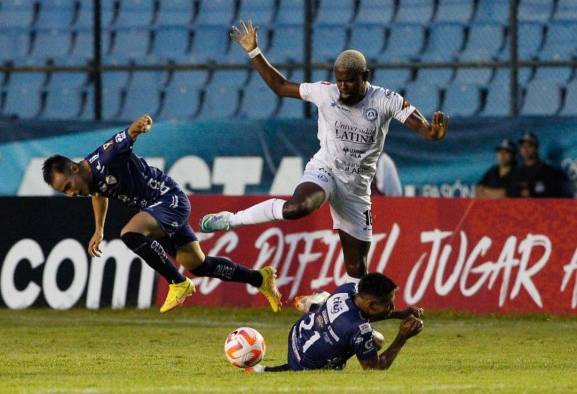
pixel 100 208
pixel 408 329
pixel 406 313
pixel 140 126
pixel 435 130
pixel 246 35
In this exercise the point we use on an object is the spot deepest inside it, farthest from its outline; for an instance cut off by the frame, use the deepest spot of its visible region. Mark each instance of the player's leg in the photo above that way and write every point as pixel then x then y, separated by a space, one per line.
pixel 355 252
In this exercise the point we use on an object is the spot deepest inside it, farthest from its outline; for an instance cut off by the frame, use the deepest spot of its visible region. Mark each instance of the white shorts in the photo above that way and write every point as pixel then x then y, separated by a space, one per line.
pixel 351 213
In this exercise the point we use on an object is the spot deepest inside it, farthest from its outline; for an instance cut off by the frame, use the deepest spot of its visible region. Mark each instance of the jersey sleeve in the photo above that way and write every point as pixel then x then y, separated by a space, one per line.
pixel 122 142
pixel 363 344
pixel 313 92
pixel 396 106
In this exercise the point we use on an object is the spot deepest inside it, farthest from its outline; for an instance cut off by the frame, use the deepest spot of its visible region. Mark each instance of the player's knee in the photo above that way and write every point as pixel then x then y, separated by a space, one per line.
pixel 298 209
pixel 189 260
pixel 132 240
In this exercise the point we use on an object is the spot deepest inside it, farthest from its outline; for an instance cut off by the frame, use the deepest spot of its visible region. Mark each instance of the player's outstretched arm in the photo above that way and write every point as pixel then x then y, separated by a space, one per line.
pixel 435 130
pixel 246 35
pixel 100 208
pixel 139 126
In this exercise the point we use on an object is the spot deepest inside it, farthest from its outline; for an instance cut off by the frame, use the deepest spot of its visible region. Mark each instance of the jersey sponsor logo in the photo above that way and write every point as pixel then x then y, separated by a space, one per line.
pixel 120 137
pixel 156 185
pixel 336 305
pixel 365 328
pixel 370 114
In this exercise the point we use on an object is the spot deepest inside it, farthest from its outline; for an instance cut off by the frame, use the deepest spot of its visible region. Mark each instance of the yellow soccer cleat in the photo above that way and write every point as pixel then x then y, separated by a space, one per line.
pixel 177 293
pixel 268 288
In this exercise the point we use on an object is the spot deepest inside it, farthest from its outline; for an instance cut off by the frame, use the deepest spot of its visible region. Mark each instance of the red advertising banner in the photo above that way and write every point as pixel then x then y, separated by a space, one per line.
pixel 487 256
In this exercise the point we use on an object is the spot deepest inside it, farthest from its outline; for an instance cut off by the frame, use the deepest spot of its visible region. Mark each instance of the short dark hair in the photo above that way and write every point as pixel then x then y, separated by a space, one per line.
pixel 376 285
pixel 55 163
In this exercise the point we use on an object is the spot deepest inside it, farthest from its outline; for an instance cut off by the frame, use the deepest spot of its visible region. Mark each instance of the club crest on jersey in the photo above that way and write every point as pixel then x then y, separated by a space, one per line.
pixel 110 180
pixel 371 114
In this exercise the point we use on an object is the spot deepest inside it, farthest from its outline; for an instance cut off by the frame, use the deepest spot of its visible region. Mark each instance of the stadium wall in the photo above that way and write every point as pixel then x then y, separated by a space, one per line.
pixel 481 256
pixel 267 157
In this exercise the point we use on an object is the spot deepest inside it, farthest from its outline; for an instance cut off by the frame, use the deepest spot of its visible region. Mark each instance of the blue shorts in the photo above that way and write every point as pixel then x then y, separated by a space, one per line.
pixel 172 211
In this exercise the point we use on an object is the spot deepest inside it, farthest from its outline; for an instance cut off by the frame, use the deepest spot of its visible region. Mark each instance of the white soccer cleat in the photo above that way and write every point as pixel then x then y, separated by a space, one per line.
pixel 303 303
pixel 216 222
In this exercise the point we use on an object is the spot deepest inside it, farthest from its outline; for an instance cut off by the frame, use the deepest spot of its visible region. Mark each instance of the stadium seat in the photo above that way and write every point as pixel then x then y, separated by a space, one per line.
pixel 444 43
pixel 570 106
pixel 335 12
pixel 115 79
pixel 189 79
pixel 148 79
pixel 171 42
pixel 542 98
pixel 129 43
pixel 61 80
pixel 369 39
pixel 454 11
pixel 530 39
pixel 439 77
pixel 174 13
pixel 560 42
pixel 476 76
pixel 216 12
pixel 290 108
pixel 535 10
pixel 259 102
pixel 492 11
pixel 502 76
pixel 234 79
pixel 566 11
pixel 391 78
pixel 85 17
pixel 180 102
pixel 260 12
pixel 219 103
pixel 210 44
pixel 135 13
pixel 55 14
pixel 415 11
pixel 14 45
pixel 17 13
pixel 557 75
pixel 111 103
pixel 399 49
pixel 140 100
pixel 484 42
pixel 24 102
pixel 328 42
pixel 291 13
pixel 83 46
pixel 423 96
pixel 31 80
pixel 62 103
pixel 498 100
pixel 286 45
pixel 462 100
pixel 321 74
pixel 50 44
pixel 375 12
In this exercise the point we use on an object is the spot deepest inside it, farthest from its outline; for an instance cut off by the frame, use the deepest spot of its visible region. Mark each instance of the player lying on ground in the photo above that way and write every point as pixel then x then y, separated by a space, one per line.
pixel 338 326
pixel 353 120
pixel 114 171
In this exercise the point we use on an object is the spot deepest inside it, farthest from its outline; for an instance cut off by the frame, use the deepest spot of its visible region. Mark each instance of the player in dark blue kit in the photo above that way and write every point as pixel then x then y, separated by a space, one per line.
pixel 337 326
pixel 114 171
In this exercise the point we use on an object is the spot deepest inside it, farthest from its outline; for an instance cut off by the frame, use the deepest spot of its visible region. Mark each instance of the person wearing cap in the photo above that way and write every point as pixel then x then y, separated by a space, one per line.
pixel 534 177
pixel 497 179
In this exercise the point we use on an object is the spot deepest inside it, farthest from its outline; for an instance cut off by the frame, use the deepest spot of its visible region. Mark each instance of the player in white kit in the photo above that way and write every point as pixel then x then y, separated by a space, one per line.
pixel 353 121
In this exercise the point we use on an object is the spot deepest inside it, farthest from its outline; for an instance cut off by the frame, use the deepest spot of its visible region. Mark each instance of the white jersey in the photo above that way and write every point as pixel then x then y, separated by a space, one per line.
pixel 352 137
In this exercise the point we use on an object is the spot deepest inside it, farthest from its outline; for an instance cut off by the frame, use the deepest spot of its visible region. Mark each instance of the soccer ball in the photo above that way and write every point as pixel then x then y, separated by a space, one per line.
pixel 244 347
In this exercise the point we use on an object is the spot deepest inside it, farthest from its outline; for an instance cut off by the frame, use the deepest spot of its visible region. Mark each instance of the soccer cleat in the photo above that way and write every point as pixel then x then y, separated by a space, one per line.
pixel 268 288
pixel 215 222
pixel 303 303
pixel 177 293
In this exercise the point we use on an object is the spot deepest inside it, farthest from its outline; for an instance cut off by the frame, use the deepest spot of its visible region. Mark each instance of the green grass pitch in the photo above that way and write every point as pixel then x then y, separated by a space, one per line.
pixel 141 351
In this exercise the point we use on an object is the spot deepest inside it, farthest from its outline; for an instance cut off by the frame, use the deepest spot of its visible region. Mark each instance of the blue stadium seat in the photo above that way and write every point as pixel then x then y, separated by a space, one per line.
pixel 560 42
pixel 55 14
pixel 260 12
pixel 391 78
pixel 484 42
pixel 180 102
pixel 61 80
pixel 476 76
pixel 259 102
pixel 335 12
pixel 530 39
pixel 113 98
pixel 415 11
pixel 369 39
pixel 189 79
pixel 286 45
pixel 140 100
pixel 130 43
pixel 557 75
pixel 31 80
pixel 492 11
pixel 328 43
pixel 85 17
pixel 115 79
pixel 171 42
pixel 570 106
pixel 216 12
pixel 148 79
pixel 219 103
pixel 290 108
pixel 62 103
pixel 135 13
pixel 234 79
pixel 462 100
pixel 535 10
pixel 83 45
pixel 321 74
pixel 14 45
pixel 291 13
pixel 498 100
pixel 439 77
pixel 566 11
pixel 541 98
pixel 50 44
pixel 210 44
pixel 87 111
pixel 375 12
pixel 174 13
pixel 502 76
pixel 24 102
pixel 423 96
pixel 399 49
pixel 445 42
pixel 454 11
pixel 16 13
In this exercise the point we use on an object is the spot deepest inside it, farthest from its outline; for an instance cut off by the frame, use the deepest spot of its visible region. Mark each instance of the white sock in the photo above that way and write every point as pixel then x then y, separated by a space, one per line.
pixel 350 279
pixel 263 212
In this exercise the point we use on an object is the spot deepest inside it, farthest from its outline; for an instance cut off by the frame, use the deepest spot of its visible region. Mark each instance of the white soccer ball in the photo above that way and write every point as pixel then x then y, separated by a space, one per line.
pixel 244 347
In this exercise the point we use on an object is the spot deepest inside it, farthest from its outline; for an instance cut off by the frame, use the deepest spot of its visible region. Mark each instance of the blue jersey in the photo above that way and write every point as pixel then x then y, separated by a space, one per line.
pixel 331 334
pixel 120 174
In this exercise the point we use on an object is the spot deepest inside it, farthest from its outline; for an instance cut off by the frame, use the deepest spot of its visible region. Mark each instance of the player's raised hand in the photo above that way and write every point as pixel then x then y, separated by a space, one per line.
pixel 245 35
pixel 94 244
pixel 410 327
pixel 141 125
pixel 440 125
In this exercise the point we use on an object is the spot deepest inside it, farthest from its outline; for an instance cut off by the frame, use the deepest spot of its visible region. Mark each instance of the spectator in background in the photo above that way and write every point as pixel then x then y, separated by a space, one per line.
pixel 386 181
pixel 534 177
pixel 497 180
